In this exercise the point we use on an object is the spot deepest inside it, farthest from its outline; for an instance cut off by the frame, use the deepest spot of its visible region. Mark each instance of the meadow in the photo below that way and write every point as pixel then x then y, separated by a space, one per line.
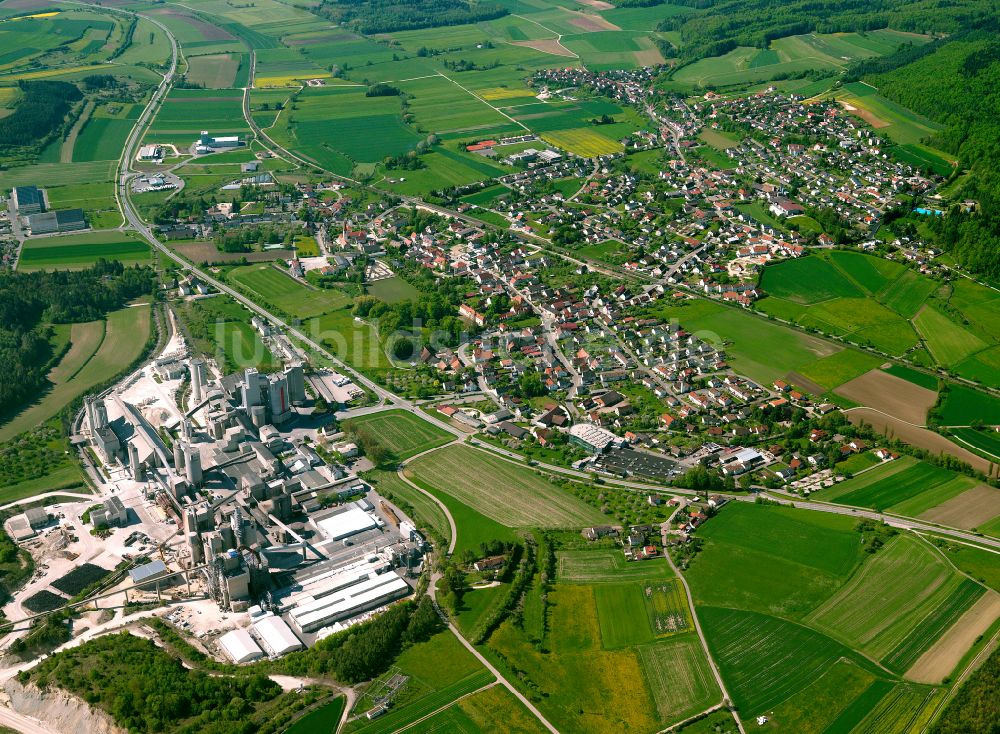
pixel 286 293
pixel 791 54
pixel 761 350
pixel 962 406
pixel 79 251
pixel 403 433
pixel 587 688
pixel 123 337
pixel 604 565
pixel 480 712
pixel 515 496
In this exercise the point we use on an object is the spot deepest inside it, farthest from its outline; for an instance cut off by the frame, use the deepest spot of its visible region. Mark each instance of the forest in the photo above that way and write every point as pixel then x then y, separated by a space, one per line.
pixel 387 16
pixel 959 86
pixel 41 110
pixel 976 706
pixel 115 672
pixel 30 302
pixel 722 25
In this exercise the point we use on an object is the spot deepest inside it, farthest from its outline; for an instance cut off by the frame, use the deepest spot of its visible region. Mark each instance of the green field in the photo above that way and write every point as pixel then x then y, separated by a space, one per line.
pixel 440 670
pixel 286 293
pixel 79 251
pixel 905 486
pixel 759 349
pixel 403 433
pixel 882 610
pixel 393 290
pixel 594 566
pixel 849 294
pixel 321 719
pixel 932 626
pixel 765 660
pixel 987 442
pixel 947 342
pixel 962 406
pixel 120 343
pixel 480 713
pixel 186 112
pixel 515 496
pixel 774 560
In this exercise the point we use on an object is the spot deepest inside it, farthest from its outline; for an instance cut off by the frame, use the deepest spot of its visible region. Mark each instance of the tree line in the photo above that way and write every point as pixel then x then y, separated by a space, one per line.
pixel 31 302
pixel 387 16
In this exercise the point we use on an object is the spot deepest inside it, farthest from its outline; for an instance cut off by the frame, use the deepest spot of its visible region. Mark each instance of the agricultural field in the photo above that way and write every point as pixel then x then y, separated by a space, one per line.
pixel 515 497
pixel 79 251
pixel 103 135
pixel 480 712
pixel 216 71
pixel 340 128
pixel 773 560
pixel 440 671
pixel 103 350
pixel 987 442
pixel 962 406
pixel 792 54
pixel 892 395
pixel 186 112
pixel 888 609
pixel 593 566
pixel 403 433
pixel 766 660
pixel 641 688
pixel 905 486
pixel 286 293
pixel 349 339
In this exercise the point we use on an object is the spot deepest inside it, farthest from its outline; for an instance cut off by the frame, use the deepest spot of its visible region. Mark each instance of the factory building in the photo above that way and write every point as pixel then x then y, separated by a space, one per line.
pixel 240 647
pixel 28 200
pixel 276 636
pixel 112 513
pixel 197 368
pixel 207 143
pixel 347 523
pixel 146 577
pixel 64 220
pixel 367 593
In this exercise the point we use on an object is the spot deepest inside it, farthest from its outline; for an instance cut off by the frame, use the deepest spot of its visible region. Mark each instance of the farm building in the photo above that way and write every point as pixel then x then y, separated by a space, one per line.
pixel 65 220
pixel 275 636
pixel 240 647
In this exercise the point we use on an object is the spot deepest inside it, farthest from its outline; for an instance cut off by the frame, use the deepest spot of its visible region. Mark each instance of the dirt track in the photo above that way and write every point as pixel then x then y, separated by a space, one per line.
pixel 890 394
pixel 942 657
pixel 920 437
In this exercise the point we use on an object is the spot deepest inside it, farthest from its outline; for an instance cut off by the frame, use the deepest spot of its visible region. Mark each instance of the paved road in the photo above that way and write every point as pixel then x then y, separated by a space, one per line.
pixel 46 495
